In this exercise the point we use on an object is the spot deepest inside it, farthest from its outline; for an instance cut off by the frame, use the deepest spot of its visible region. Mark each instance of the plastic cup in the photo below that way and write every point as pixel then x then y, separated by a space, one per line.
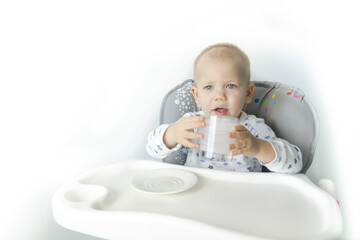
pixel 215 142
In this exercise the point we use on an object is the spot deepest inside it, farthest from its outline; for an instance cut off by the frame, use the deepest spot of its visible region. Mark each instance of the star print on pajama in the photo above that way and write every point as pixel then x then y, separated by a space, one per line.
pixel 288 157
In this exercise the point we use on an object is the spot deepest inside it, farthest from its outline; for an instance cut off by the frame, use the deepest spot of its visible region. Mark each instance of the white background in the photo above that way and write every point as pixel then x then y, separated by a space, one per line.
pixel 81 83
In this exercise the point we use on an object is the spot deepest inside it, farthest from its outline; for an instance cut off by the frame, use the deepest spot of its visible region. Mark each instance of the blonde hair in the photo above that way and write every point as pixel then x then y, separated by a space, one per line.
pixel 228 50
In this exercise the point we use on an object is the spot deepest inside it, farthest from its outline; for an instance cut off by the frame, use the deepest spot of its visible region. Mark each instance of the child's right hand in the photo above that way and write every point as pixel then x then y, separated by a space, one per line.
pixel 182 131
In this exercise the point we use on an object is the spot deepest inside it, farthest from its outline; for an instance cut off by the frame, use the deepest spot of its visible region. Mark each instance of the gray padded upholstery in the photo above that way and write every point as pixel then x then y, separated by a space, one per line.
pixel 284 108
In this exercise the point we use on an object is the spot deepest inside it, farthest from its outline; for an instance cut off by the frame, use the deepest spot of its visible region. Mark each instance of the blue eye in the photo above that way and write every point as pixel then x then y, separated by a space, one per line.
pixel 208 87
pixel 231 86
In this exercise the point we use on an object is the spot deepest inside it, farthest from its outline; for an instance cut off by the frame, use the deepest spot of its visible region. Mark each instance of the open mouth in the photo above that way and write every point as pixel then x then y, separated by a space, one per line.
pixel 220 111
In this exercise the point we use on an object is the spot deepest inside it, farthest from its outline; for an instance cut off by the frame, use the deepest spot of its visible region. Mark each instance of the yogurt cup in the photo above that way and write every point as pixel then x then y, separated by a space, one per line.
pixel 215 142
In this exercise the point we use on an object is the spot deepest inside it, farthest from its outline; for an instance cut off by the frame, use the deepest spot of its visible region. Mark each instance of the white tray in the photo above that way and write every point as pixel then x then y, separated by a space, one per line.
pixel 221 205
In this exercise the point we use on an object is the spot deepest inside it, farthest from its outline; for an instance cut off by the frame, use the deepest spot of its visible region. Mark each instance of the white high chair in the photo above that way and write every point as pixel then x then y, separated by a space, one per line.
pixel 220 204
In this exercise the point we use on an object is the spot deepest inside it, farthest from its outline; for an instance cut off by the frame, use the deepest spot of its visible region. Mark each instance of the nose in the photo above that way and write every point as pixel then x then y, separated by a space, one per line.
pixel 220 95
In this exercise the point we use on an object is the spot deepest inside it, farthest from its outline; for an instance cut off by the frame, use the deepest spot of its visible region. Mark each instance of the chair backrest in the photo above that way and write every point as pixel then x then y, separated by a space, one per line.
pixel 284 108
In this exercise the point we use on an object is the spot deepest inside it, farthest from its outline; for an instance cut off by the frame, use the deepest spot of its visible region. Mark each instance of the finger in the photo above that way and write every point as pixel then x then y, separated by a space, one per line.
pixel 193 122
pixel 194 119
pixel 189 144
pixel 238 152
pixel 239 144
pixel 239 128
pixel 193 125
pixel 237 134
pixel 193 135
pixel 231 146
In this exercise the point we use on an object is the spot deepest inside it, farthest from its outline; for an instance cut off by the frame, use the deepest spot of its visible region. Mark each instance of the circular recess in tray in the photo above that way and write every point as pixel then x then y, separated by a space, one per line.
pixel 164 181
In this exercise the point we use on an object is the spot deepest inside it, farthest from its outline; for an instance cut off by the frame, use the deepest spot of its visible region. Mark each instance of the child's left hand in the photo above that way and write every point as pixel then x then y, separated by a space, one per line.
pixel 245 142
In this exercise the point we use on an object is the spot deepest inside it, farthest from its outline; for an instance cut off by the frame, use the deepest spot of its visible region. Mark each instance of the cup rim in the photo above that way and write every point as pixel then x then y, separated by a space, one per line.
pixel 227 117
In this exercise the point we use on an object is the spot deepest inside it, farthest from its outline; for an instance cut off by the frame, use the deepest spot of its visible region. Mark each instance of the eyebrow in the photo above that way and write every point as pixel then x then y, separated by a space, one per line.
pixel 207 83
pixel 232 81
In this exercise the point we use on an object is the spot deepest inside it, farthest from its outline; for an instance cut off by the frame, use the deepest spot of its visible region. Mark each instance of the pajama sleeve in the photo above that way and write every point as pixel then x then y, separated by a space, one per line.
pixel 155 145
pixel 288 158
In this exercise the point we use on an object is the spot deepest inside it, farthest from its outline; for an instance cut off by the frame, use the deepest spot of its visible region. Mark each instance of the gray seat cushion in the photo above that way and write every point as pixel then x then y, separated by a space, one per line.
pixel 284 108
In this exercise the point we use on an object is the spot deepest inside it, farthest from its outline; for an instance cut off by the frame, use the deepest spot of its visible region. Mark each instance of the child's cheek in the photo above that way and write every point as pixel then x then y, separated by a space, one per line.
pixel 205 105
pixel 206 109
pixel 237 106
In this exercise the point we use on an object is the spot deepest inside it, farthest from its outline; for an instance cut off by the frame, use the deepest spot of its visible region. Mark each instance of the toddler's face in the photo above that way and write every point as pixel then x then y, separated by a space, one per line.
pixel 219 89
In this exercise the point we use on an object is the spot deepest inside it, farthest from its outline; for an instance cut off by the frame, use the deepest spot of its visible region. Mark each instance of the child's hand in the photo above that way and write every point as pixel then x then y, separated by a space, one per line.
pixel 181 132
pixel 245 142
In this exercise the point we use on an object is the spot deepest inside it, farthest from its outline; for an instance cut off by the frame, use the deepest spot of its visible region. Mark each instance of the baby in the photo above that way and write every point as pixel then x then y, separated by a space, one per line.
pixel 222 87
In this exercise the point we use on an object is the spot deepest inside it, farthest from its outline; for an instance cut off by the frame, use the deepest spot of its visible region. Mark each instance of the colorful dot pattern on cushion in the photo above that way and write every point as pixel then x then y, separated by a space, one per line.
pixel 271 97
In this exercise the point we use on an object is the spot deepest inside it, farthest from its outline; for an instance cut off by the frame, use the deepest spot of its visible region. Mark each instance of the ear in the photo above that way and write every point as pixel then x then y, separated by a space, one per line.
pixel 250 92
pixel 195 93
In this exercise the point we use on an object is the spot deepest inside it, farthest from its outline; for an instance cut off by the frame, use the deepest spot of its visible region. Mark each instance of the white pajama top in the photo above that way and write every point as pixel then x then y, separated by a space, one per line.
pixel 288 158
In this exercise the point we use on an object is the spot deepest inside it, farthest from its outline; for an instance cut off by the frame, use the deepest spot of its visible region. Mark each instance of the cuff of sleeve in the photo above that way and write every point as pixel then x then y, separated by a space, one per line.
pixel 177 147
pixel 273 162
